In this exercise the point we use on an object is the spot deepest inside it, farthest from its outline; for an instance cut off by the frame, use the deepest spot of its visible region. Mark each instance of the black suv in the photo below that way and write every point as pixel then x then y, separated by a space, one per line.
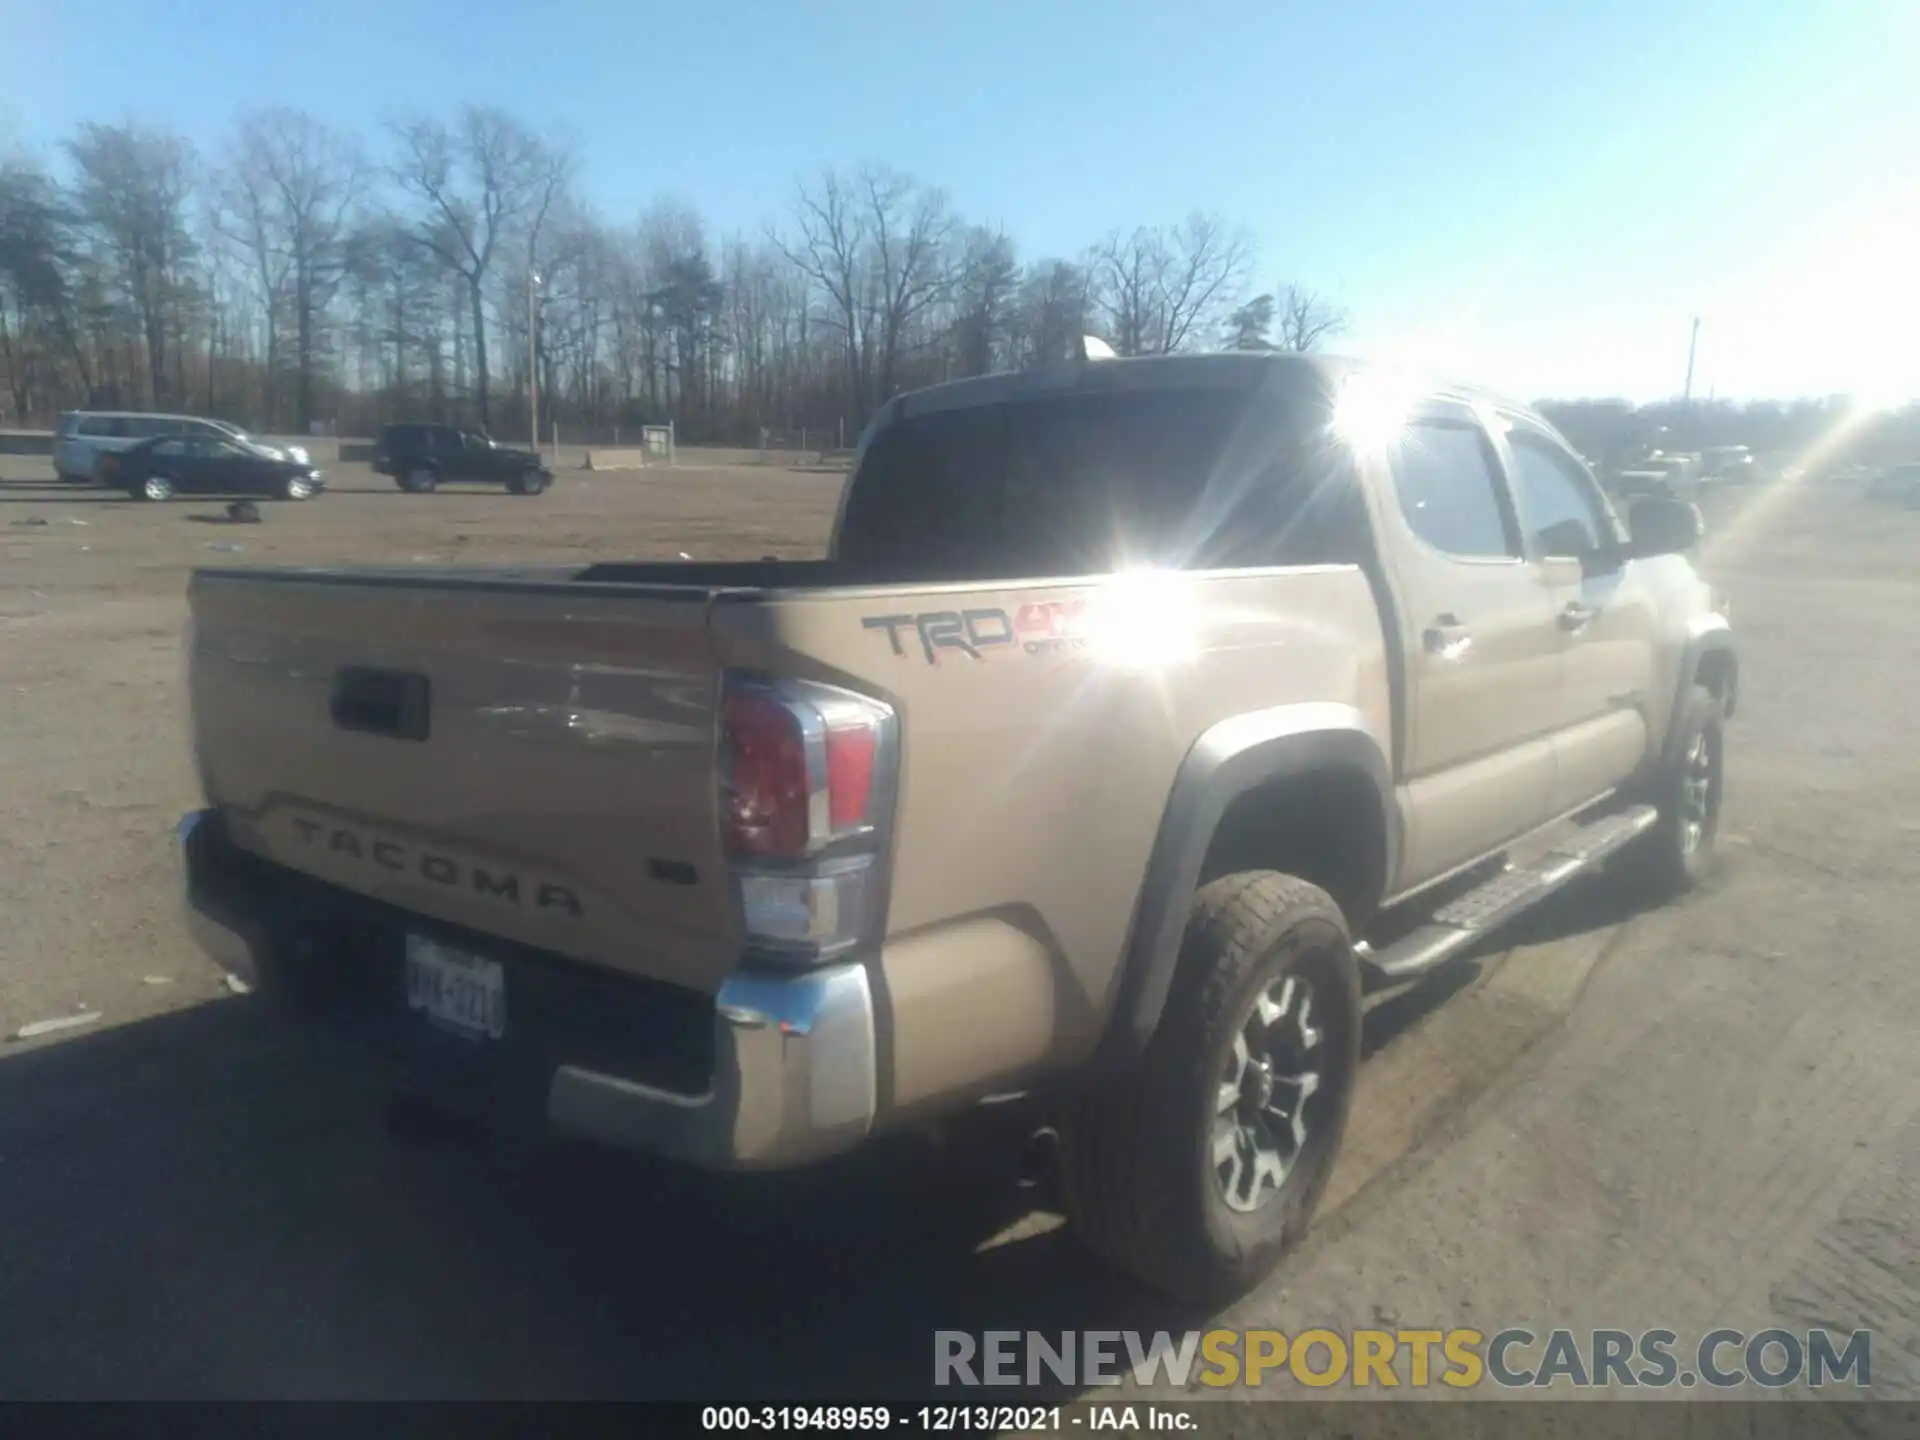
pixel 419 457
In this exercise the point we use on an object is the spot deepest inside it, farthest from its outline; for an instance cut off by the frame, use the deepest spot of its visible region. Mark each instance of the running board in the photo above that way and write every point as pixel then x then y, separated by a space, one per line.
pixel 1466 918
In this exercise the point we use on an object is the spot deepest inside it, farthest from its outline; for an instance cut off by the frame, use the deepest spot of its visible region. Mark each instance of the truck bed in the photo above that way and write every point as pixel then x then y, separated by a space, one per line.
pixel 562 790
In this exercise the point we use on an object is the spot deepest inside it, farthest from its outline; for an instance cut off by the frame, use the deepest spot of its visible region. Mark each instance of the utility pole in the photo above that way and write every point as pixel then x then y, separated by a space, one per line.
pixel 1693 345
pixel 1688 429
pixel 533 359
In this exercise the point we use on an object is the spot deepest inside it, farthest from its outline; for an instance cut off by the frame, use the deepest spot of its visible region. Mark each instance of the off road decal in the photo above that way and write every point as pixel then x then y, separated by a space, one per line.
pixel 1039 628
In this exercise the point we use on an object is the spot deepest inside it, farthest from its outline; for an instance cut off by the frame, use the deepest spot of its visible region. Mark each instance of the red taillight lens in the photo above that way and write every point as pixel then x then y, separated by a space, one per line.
pixel 800 765
pixel 851 752
pixel 765 786
pixel 805 783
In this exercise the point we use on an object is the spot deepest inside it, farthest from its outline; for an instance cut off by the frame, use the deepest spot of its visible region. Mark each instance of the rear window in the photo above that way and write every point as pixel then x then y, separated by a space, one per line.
pixel 69 425
pixel 1088 483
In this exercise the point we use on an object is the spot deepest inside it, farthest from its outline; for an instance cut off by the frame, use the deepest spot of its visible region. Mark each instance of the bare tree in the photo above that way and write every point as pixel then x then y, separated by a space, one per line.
pixel 318 179
pixel 477 184
pixel 1128 276
pixel 831 250
pixel 304 275
pixel 1306 319
pixel 244 215
pixel 1161 290
pixel 134 191
pixel 1055 311
pixel 1209 268
pixel 38 323
pixel 876 244
pixel 911 228
pixel 288 200
pixel 986 289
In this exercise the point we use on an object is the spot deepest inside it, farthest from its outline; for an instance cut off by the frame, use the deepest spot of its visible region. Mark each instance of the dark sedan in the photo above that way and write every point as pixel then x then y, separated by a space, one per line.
pixel 201 465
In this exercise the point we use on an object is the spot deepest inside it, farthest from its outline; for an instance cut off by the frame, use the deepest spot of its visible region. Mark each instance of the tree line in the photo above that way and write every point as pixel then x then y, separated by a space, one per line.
pixel 435 270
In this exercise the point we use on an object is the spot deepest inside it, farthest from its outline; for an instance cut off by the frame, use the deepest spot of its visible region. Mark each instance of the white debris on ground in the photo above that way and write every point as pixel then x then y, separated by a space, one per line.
pixel 60 1022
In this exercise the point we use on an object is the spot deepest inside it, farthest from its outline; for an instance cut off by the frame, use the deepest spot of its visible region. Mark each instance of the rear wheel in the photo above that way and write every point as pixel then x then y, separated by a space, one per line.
pixel 419 481
pixel 1198 1169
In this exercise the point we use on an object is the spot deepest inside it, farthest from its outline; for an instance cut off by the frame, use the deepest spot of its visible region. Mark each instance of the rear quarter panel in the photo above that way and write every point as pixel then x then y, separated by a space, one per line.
pixel 1042 726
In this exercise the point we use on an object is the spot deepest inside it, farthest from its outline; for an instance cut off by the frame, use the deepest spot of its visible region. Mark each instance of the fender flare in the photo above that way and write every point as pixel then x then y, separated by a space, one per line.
pixel 1232 757
pixel 1710 634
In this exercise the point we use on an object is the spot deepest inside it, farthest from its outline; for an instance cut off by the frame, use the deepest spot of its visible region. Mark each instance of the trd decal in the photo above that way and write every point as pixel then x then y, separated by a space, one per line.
pixel 1038 628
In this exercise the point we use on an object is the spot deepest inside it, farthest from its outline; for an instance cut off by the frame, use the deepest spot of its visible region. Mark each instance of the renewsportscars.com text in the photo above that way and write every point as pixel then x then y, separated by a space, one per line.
pixel 1388 1359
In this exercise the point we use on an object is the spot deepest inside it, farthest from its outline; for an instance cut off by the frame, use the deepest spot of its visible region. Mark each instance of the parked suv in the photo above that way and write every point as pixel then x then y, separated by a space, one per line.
pixel 420 457
pixel 86 438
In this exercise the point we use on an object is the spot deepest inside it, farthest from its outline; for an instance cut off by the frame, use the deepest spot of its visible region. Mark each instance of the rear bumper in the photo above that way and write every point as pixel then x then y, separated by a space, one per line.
pixel 774 1071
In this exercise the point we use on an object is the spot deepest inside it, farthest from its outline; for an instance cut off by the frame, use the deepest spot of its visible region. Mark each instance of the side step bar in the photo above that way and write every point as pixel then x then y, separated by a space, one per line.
pixel 1465 919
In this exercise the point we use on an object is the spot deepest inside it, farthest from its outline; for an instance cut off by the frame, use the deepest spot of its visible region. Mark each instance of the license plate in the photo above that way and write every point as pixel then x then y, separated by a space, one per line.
pixel 455 990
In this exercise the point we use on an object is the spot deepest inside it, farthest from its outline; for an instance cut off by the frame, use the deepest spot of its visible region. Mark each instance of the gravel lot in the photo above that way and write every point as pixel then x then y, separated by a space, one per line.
pixel 1704 1115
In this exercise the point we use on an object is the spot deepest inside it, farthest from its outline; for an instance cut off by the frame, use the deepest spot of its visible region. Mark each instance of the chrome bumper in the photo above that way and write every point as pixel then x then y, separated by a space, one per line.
pixel 793 1080
pixel 794 1075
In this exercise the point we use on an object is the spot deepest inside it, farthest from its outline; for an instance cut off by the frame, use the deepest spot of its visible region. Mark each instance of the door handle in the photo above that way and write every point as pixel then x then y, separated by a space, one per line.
pixel 1576 616
pixel 1447 638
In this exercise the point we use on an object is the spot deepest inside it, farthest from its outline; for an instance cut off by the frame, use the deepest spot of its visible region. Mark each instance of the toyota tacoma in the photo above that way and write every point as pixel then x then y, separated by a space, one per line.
pixel 1141 717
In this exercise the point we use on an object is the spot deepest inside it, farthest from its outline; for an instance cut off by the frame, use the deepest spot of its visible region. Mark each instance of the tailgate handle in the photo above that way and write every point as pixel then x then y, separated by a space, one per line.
pixel 381 702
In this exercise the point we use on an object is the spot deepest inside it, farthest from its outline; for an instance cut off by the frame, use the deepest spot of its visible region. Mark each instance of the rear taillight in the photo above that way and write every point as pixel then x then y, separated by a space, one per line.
pixel 806 780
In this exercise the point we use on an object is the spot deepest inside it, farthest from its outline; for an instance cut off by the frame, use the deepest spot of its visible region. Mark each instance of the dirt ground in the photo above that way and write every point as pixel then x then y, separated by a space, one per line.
pixel 95 767
pixel 1701 1115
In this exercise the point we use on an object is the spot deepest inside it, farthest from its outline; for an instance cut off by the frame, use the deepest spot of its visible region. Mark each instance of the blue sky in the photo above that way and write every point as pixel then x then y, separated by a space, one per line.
pixel 1538 196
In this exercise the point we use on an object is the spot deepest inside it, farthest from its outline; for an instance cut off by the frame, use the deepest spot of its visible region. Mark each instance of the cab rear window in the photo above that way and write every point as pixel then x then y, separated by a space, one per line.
pixel 1092 482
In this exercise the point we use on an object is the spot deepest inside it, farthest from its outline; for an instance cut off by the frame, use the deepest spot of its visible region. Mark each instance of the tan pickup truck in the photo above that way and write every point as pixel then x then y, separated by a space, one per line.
pixel 1144 714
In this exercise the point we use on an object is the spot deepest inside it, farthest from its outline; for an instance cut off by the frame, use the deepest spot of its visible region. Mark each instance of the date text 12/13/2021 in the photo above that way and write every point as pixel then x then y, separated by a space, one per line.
pixel 949 1419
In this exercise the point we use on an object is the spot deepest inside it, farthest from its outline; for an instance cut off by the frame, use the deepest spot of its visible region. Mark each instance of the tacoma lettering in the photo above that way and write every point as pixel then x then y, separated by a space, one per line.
pixel 447 870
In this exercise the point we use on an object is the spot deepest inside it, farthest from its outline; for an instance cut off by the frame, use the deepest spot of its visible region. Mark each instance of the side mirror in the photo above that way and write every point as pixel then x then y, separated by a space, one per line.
pixel 1660 526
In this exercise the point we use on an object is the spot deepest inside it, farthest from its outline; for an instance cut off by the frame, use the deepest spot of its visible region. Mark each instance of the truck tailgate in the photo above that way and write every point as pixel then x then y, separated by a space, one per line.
pixel 527 758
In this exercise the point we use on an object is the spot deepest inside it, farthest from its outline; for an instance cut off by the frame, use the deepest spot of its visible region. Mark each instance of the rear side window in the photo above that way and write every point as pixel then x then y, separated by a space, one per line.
pixel 1093 482
pixel 145 427
pixel 1449 490
pixel 103 427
